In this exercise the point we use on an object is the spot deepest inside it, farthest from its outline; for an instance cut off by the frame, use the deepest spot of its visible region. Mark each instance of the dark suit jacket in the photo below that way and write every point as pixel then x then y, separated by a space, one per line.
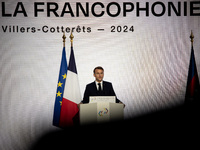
pixel 91 90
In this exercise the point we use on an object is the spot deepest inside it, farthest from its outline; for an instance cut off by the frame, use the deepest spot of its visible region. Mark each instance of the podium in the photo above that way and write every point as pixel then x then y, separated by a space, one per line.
pixel 100 111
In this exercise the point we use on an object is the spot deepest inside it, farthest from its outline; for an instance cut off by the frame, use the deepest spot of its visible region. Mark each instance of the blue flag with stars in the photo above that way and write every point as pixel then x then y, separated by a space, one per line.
pixel 60 89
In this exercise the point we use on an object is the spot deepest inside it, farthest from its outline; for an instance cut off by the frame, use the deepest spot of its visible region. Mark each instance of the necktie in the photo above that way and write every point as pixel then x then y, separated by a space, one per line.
pixel 99 84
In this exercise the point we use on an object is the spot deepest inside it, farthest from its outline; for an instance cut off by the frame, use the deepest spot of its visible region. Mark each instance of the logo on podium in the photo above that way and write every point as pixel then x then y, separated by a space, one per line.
pixel 103 112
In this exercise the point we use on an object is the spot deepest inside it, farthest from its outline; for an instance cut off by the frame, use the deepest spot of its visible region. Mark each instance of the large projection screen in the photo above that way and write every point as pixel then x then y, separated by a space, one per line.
pixel 143 46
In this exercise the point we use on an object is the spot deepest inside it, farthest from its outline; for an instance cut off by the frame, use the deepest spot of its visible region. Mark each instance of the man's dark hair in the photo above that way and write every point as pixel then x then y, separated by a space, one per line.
pixel 99 67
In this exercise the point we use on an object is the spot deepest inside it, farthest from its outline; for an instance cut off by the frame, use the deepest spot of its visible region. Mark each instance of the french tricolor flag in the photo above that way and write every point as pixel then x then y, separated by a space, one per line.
pixel 71 95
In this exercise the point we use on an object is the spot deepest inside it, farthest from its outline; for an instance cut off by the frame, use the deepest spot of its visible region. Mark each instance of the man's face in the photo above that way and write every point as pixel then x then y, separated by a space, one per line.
pixel 99 75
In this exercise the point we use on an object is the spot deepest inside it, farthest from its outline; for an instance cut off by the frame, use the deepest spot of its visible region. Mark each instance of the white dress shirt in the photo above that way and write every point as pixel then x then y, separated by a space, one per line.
pixel 98 85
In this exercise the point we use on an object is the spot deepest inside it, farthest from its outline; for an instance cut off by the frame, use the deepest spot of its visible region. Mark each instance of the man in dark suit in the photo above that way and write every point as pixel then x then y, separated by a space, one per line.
pixel 99 87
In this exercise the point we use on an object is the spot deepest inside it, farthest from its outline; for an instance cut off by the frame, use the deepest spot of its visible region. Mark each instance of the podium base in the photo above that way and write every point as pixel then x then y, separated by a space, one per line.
pixel 100 112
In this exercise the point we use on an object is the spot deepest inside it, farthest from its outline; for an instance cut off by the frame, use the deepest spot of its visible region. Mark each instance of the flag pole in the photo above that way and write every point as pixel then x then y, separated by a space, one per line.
pixel 71 39
pixel 192 38
pixel 64 37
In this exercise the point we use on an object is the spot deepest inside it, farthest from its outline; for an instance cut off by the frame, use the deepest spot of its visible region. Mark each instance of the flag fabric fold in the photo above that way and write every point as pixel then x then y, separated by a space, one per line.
pixel 193 87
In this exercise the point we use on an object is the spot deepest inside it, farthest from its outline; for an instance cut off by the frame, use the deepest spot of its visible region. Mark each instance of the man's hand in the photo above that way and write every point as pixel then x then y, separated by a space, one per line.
pixel 78 105
pixel 122 103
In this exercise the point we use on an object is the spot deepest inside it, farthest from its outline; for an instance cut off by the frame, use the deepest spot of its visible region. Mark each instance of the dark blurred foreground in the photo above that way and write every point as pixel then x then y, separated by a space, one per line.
pixel 179 123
